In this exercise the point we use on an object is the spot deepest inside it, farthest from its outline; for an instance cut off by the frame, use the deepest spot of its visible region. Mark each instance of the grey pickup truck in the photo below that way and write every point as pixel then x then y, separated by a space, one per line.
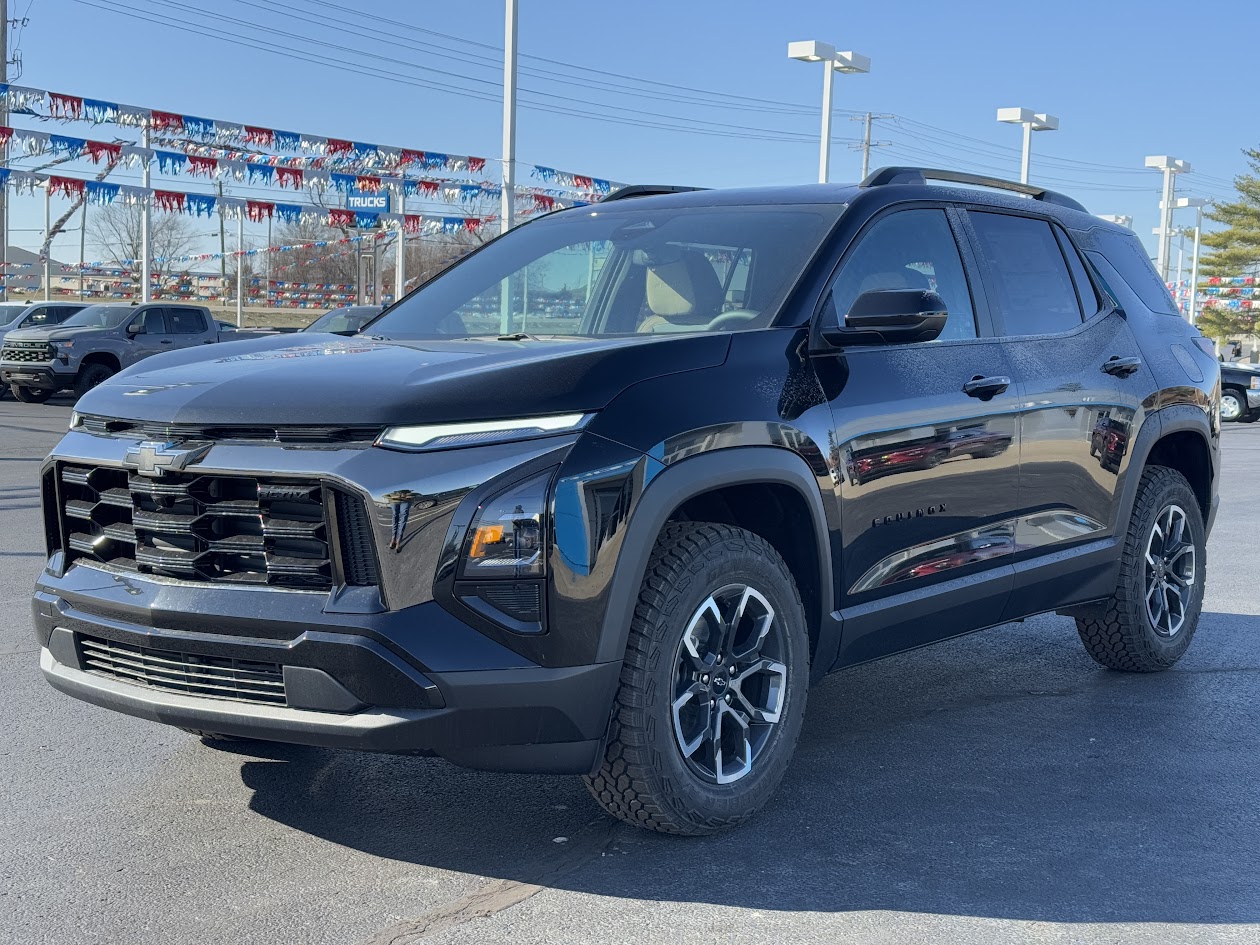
pixel 99 341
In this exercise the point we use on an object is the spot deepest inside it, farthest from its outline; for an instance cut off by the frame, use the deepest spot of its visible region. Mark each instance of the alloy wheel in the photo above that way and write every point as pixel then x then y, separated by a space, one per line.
pixel 730 684
pixel 1170 571
pixel 1231 408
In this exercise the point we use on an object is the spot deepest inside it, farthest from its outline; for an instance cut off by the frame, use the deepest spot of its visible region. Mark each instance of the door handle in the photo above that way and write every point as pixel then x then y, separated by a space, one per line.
pixel 986 387
pixel 1122 367
pixel 166 341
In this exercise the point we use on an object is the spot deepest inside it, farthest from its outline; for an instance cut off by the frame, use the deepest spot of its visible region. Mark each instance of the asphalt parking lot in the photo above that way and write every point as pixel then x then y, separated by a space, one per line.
pixel 997 788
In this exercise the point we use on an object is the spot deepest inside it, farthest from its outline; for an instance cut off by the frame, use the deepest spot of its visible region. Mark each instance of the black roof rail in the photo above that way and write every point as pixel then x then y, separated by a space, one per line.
pixel 648 190
pixel 921 175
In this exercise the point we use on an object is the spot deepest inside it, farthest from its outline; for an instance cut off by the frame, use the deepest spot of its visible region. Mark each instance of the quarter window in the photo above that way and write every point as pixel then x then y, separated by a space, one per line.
pixel 910 249
pixel 1027 273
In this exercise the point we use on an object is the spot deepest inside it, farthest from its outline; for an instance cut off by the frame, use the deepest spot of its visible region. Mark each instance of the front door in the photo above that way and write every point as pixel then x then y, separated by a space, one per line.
pixel 925 447
pixel 155 338
pixel 1080 375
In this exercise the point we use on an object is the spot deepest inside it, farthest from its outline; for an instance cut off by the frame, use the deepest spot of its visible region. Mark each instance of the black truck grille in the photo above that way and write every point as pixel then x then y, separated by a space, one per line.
pixel 213 677
pixel 26 351
pixel 232 529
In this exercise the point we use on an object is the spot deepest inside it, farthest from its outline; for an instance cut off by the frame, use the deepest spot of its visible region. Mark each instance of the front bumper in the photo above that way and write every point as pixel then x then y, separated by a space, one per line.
pixel 38 377
pixel 525 718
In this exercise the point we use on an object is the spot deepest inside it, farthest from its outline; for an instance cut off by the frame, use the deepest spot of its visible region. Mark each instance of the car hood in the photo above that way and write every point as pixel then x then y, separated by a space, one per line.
pixel 326 379
pixel 54 333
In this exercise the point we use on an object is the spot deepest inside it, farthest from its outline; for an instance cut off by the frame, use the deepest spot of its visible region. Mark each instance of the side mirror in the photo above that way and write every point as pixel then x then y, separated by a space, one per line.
pixel 135 328
pixel 890 316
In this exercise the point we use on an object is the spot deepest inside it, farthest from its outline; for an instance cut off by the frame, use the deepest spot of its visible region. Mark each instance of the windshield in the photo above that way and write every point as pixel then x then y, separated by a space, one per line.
pixel 621 271
pixel 99 316
pixel 348 319
pixel 10 313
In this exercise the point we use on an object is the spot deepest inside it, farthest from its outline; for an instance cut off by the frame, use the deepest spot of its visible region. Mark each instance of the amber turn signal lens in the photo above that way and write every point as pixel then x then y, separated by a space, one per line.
pixel 482 536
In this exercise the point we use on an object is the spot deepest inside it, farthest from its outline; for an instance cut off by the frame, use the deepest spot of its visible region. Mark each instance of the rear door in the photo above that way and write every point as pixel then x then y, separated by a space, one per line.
pixel 926 473
pixel 1080 378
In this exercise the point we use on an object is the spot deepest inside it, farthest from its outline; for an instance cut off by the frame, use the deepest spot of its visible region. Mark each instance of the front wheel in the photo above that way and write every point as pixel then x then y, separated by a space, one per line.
pixel 91 376
pixel 1150 619
pixel 29 395
pixel 1233 404
pixel 713 686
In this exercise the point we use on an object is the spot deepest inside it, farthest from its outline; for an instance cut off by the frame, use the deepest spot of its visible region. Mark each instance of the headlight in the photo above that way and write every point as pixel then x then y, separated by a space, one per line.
pixel 63 345
pixel 507 536
pixel 441 436
pixel 75 419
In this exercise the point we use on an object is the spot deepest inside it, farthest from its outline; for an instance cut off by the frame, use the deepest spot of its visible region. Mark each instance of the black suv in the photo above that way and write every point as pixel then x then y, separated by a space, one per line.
pixel 772 433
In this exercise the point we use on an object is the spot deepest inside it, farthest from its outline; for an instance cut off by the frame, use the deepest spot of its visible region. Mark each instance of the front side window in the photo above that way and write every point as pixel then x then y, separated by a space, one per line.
pixel 621 271
pixel 1028 276
pixel 909 249
pixel 38 317
pixel 153 321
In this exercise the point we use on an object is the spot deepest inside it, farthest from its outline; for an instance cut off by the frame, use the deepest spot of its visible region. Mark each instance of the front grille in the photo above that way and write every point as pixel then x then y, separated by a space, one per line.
pixel 26 351
pixel 232 529
pixel 351 434
pixel 213 677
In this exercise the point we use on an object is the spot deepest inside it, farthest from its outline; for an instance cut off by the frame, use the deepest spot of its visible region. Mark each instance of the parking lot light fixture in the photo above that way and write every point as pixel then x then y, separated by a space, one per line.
pixel 847 62
pixel 1121 219
pixel 1031 121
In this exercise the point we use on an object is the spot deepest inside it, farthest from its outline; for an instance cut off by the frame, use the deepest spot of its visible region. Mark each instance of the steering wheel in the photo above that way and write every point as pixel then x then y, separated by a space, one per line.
pixel 738 316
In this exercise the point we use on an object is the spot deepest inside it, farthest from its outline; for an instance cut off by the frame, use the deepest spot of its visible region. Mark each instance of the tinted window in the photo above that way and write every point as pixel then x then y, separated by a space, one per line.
pixel 1085 290
pixel 40 316
pixel 912 249
pixel 184 321
pixel 152 320
pixel 1028 275
pixel 1127 255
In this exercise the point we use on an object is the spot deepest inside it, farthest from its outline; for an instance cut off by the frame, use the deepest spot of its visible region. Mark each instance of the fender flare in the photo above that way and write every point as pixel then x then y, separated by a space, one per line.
pixel 1174 418
pixel 677 483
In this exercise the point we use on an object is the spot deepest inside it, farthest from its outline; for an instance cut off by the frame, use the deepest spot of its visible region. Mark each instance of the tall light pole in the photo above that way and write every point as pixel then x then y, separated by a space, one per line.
pixel 850 62
pixel 1032 121
pixel 1120 219
pixel 1197 203
pixel 1170 167
pixel 508 198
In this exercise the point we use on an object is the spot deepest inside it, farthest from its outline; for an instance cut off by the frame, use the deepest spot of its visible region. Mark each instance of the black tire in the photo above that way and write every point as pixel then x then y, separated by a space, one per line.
pixel 1239 407
pixel 29 395
pixel 90 376
pixel 645 779
pixel 1125 637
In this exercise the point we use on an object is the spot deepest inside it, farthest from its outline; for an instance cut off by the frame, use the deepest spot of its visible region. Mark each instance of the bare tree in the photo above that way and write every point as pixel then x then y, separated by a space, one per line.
pixel 117 229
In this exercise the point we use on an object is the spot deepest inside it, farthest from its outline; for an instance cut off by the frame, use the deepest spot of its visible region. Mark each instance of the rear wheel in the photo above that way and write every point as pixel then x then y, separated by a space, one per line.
pixel 713 685
pixel 90 376
pixel 1150 619
pixel 30 395
pixel 1233 404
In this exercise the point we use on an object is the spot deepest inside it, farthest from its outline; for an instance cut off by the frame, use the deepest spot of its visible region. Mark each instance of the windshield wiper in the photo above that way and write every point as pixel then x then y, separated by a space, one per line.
pixel 517 336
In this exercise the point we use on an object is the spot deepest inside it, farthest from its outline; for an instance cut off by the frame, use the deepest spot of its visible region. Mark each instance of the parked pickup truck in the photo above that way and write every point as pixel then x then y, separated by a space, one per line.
pixel 99 341
pixel 1240 391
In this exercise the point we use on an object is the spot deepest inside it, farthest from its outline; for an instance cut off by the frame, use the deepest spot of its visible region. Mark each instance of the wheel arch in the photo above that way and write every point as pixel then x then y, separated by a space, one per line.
pixel 107 358
pixel 724 485
pixel 1178 437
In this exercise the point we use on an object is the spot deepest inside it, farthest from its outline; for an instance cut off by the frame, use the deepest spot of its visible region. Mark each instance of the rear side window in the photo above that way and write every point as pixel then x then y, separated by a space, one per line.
pixel 1085 291
pixel 1128 257
pixel 184 321
pixel 61 313
pixel 1028 276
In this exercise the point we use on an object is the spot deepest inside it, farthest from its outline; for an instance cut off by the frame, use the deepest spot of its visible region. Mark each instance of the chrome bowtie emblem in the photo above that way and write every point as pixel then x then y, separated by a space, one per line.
pixel 155 458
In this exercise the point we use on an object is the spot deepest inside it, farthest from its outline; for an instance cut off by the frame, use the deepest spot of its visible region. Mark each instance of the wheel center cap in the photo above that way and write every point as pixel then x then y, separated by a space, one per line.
pixel 720 682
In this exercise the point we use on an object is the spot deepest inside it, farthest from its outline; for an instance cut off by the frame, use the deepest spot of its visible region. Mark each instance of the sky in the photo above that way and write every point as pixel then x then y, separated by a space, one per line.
pixel 698 92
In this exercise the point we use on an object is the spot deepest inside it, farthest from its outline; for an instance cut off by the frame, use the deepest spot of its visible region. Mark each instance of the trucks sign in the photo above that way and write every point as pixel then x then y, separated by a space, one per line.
pixel 369 201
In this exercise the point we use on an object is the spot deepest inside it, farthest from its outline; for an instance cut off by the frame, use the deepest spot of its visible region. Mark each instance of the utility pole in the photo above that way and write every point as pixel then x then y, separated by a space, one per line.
pixel 82 244
pixel 867 143
pixel 508 202
pixel 400 262
pixel 240 270
pixel 146 229
pixel 222 246
pixel 4 120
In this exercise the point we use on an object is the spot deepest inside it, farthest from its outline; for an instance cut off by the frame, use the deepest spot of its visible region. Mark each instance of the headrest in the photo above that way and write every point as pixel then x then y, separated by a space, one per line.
pixel 685 289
